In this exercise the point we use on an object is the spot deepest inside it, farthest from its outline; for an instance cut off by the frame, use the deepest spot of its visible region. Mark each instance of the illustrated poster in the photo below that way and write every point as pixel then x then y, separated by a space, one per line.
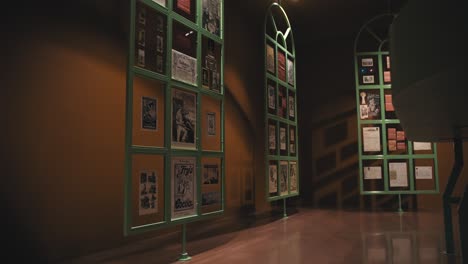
pixel 270 57
pixel 292 110
pixel 183 187
pixel 148 192
pixel 184 68
pixel 271 97
pixel 273 178
pixel 290 65
pixel 283 175
pixel 183 119
pixel 149 113
pixel 398 174
pixel 281 66
pixel 272 137
pixel 282 138
pixel 210 174
pixel 211 16
pixel 293 175
pixel 211 124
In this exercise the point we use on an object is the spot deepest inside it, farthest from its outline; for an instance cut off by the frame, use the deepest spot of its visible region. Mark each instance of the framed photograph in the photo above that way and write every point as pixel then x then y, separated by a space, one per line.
pixel 184 119
pixel 283 175
pixel 211 16
pixel 364 111
pixel 149 113
pixel 368 79
pixel 290 66
pixel 270 58
pixel 148 192
pixel 283 138
pixel 281 66
pixel 211 124
pixel 184 68
pixel 183 182
pixel 210 174
pixel 211 198
pixel 273 179
pixel 293 176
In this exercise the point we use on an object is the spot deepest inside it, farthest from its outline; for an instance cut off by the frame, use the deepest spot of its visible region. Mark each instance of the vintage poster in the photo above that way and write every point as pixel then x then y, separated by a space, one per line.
pixel 161 2
pixel 367 62
pixel 141 58
pixel 211 16
pixel 371 138
pixel 210 174
pixel 282 138
pixel 271 97
pixel 401 146
pixel 387 76
pixel 282 101
pixel 398 173
pixel 391 133
pixel 281 66
pixel 183 182
pixel 392 145
pixel 293 175
pixel 283 175
pixel 400 135
pixel 270 57
pixel 422 145
pixel 364 111
pixel 372 172
pixel 211 123
pixel 272 137
pixel 368 79
pixel 184 5
pixel 184 119
pixel 148 192
pixel 149 113
pixel 292 105
pixel 290 65
pixel 423 172
pixel 369 105
pixel 184 68
pixel 211 198
pixel 292 140
pixel 211 54
pixel 273 178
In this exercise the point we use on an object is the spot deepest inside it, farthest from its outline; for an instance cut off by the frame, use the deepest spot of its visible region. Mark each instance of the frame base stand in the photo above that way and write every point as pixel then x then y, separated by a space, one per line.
pixel 185 257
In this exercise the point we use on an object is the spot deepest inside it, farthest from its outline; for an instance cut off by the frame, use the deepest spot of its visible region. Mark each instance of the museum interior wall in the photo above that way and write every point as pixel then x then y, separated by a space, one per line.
pixel 63 134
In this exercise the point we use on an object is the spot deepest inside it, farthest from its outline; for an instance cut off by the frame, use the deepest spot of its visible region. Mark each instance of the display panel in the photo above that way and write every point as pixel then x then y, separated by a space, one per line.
pixel 148 112
pixel 147 189
pixel 424 174
pixel 292 140
pixel 270 58
pixel 184 121
pixel 183 186
pixel 290 70
pixel 150 39
pixel 291 105
pixel 283 139
pixel 282 102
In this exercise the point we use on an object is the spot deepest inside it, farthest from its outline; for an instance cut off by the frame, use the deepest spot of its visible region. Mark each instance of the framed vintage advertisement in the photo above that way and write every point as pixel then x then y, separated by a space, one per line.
pixel 283 138
pixel 184 121
pixel 211 121
pixel 273 178
pixel 398 172
pixel 291 105
pixel 369 105
pixel 183 185
pixel 270 59
pixel 293 176
pixel 283 176
pixel 184 68
pixel 371 139
pixel 282 102
pixel 272 138
pixel 211 192
pixel 148 192
pixel 149 113
pixel 292 141
pixel 211 17
pixel 271 98
pixel 281 66
pixel 186 8
pixel 211 70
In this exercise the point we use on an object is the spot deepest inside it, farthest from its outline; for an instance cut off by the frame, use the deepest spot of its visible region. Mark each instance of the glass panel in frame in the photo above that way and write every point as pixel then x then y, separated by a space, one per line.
pixel 291 105
pixel 148 112
pixel 184 62
pixel 211 65
pixel 150 39
pixel 184 119
pixel 184 187
pixel 211 182
pixel 211 123
pixel 290 70
pixel 211 17
pixel 372 171
pixel 147 189
pixel 270 58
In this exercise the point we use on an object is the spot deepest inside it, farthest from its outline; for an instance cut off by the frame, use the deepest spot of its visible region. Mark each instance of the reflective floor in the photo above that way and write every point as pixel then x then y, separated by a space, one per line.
pixel 312 236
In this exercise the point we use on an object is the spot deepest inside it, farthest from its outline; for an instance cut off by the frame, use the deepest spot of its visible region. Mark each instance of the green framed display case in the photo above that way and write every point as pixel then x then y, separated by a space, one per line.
pixel 174 144
pixel 281 139
pixel 388 162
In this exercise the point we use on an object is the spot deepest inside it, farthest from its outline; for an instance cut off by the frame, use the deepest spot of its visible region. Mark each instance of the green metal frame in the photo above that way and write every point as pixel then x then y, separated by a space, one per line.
pixel 385 157
pixel 279 43
pixel 167 151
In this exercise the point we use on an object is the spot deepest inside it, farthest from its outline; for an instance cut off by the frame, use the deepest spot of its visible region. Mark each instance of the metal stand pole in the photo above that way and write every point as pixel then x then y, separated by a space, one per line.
pixel 285 215
pixel 400 210
pixel 448 199
pixel 184 255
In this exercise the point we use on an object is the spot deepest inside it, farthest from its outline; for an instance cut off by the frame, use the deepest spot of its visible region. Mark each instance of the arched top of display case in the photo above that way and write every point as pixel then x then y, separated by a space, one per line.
pixel 278 27
pixel 374 34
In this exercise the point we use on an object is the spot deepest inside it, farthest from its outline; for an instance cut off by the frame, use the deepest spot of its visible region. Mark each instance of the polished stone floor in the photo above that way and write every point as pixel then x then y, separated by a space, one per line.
pixel 310 236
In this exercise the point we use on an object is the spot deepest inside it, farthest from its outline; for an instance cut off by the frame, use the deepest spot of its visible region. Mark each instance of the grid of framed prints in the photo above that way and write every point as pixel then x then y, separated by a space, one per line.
pixel 389 162
pixel 282 177
pixel 174 169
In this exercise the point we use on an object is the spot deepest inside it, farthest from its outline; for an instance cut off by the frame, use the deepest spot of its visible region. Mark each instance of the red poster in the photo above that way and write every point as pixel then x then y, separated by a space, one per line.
pixel 281 66
pixel 184 5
